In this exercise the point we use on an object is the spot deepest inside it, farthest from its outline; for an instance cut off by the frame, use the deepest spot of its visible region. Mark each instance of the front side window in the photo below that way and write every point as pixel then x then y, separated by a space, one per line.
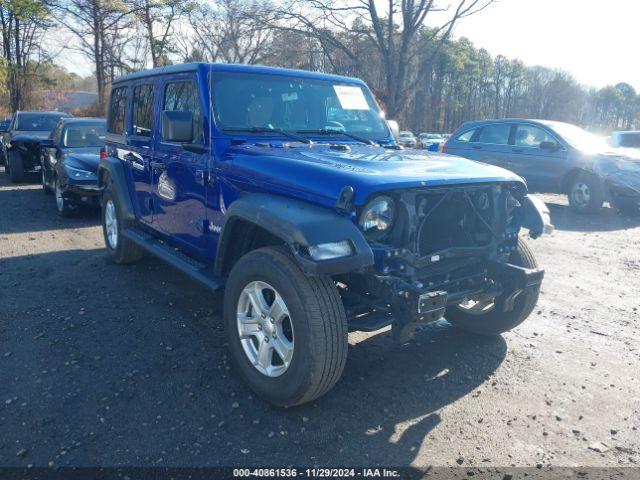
pixel 496 134
pixel 183 96
pixel 630 140
pixel 117 110
pixel 531 136
pixel 36 122
pixel 142 110
pixel 250 101
pixel 85 135
pixel 466 136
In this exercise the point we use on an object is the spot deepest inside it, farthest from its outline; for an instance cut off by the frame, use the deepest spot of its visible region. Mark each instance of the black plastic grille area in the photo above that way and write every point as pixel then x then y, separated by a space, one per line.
pixel 454 219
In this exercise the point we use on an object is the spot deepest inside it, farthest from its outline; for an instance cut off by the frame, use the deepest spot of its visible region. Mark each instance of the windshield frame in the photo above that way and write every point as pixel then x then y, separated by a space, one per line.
pixel 383 136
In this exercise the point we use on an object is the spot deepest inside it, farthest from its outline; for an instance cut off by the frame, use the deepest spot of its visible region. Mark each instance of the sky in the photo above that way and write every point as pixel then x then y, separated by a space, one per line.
pixel 597 41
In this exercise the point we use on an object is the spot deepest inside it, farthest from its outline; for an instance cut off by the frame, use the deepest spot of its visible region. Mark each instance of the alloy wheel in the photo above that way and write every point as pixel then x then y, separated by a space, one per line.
pixel 111 224
pixel 59 198
pixel 265 329
pixel 581 194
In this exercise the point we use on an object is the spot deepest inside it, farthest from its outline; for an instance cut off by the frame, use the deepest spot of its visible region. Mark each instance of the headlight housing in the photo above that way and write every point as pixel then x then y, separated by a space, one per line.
pixel 78 174
pixel 378 217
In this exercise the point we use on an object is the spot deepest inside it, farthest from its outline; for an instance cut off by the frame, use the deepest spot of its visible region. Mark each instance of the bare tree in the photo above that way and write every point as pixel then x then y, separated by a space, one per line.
pixel 158 18
pixel 98 25
pixel 23 24
pixel 234 31
pixel 391 33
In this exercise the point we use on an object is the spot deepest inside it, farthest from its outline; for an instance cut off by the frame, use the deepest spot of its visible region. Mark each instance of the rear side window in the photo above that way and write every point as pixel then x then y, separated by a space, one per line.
pixel 117 110
pixel 183 96
pixel 466 136
pixel 497 134
pixel 142 110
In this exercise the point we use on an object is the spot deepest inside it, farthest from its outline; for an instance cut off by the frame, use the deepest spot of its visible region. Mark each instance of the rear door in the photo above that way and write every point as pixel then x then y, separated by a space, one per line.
pixel 543 169
pixel 179 176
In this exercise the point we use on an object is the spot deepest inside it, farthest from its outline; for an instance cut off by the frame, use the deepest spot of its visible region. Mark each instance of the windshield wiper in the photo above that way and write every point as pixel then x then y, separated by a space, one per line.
pixel 329 131
pixel 280 131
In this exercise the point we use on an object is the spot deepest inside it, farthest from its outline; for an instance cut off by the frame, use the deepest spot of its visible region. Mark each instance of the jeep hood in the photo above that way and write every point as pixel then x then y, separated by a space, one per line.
pixel 318 172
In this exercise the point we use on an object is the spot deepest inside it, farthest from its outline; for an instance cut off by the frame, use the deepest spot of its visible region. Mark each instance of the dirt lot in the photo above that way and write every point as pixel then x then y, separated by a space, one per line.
pixel 109 365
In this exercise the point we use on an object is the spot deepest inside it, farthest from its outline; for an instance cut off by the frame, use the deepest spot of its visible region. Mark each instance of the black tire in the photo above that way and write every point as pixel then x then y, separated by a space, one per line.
pixel 45 188
pixel 496 320
pixel 124 251
pixel 318 322
pixel 593 186
pixel 63 207
pixel 627 206
pixel 16 169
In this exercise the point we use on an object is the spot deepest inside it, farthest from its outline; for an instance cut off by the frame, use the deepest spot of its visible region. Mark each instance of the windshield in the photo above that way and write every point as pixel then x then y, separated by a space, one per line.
pixel 249 101
pixel 36 122
pixel 85 135
pixel 629 140
pixel 578 137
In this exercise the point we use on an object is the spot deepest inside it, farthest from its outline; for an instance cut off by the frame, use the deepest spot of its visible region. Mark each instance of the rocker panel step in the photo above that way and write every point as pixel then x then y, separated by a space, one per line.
pixel 198 271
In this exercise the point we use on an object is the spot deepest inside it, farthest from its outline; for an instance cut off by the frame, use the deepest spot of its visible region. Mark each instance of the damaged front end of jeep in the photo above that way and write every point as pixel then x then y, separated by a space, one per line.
pixel 436 248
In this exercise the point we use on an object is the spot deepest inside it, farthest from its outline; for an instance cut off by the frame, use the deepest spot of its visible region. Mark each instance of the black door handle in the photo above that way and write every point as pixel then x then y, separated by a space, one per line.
pixel 158 165
pixel 476 147
pixel 516 150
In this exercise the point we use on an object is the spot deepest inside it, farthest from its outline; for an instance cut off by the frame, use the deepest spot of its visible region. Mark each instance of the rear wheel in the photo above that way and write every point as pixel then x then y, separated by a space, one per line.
pixel 586 193
pixel 489 317
pixel 120 249
pixel 287 332
pixel 16 168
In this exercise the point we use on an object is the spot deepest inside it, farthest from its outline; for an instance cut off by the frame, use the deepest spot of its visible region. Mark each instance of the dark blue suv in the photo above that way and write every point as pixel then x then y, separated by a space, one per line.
pixel 287 189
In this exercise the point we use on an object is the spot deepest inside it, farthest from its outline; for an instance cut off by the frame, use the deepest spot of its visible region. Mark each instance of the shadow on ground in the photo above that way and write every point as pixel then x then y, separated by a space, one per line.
pixel 26 208
pixel 564 217
pixel 110 365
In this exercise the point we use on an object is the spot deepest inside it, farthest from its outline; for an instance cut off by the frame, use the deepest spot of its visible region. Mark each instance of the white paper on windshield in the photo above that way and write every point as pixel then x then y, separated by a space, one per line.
pixel 351 97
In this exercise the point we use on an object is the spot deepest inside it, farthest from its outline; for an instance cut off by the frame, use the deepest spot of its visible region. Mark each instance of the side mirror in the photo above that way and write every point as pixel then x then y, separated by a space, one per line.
pixel 552 146
pixel 394 127
pixel 177 126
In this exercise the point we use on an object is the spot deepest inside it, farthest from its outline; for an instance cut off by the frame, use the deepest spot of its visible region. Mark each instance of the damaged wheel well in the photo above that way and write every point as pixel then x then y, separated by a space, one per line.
pixel 569 177
pixel 239 238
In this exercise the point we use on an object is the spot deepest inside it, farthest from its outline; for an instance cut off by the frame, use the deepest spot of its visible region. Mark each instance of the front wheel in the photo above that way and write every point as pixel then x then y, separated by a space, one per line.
pixel 62 204
pixel 45 186
pixel 287 332
pixel 16 168
pixel 489 317
pixel 120 249
pixel 586 193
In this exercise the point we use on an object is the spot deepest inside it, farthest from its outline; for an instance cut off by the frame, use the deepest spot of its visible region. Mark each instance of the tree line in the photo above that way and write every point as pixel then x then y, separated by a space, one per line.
pixel 403 49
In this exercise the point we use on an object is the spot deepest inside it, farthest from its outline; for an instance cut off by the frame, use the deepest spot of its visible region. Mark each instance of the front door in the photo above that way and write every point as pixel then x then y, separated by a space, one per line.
pixel 179 176
pixel 542 168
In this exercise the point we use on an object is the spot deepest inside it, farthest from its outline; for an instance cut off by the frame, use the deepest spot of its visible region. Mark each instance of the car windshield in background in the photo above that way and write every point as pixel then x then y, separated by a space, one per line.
pixel 630 140
pixel 35 122
pixel 89 135
pixel 577 136
pixel 249 101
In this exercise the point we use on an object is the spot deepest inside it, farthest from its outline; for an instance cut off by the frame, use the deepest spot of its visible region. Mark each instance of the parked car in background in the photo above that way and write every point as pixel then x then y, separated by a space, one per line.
pixel 628 139
pixel 407 139
pixel 21 142
pixel 69 161
pixel 555 157
pixel 286 187
pixel 431 141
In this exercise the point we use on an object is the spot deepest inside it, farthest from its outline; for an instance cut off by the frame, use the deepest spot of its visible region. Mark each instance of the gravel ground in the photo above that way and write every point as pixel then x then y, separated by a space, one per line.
pixel 109 365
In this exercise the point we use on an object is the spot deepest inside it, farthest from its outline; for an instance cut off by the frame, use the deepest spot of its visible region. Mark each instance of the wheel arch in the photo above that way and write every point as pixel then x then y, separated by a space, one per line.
pixel 111 174
pixel 571 175
pixel 283 221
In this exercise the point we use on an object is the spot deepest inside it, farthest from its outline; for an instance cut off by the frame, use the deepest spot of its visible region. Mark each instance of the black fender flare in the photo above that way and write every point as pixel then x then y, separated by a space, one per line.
pixel 111 174
pixel 299 225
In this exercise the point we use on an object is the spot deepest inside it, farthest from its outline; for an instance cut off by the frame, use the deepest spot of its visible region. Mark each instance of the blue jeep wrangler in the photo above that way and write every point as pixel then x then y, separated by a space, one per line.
pixel 288 189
